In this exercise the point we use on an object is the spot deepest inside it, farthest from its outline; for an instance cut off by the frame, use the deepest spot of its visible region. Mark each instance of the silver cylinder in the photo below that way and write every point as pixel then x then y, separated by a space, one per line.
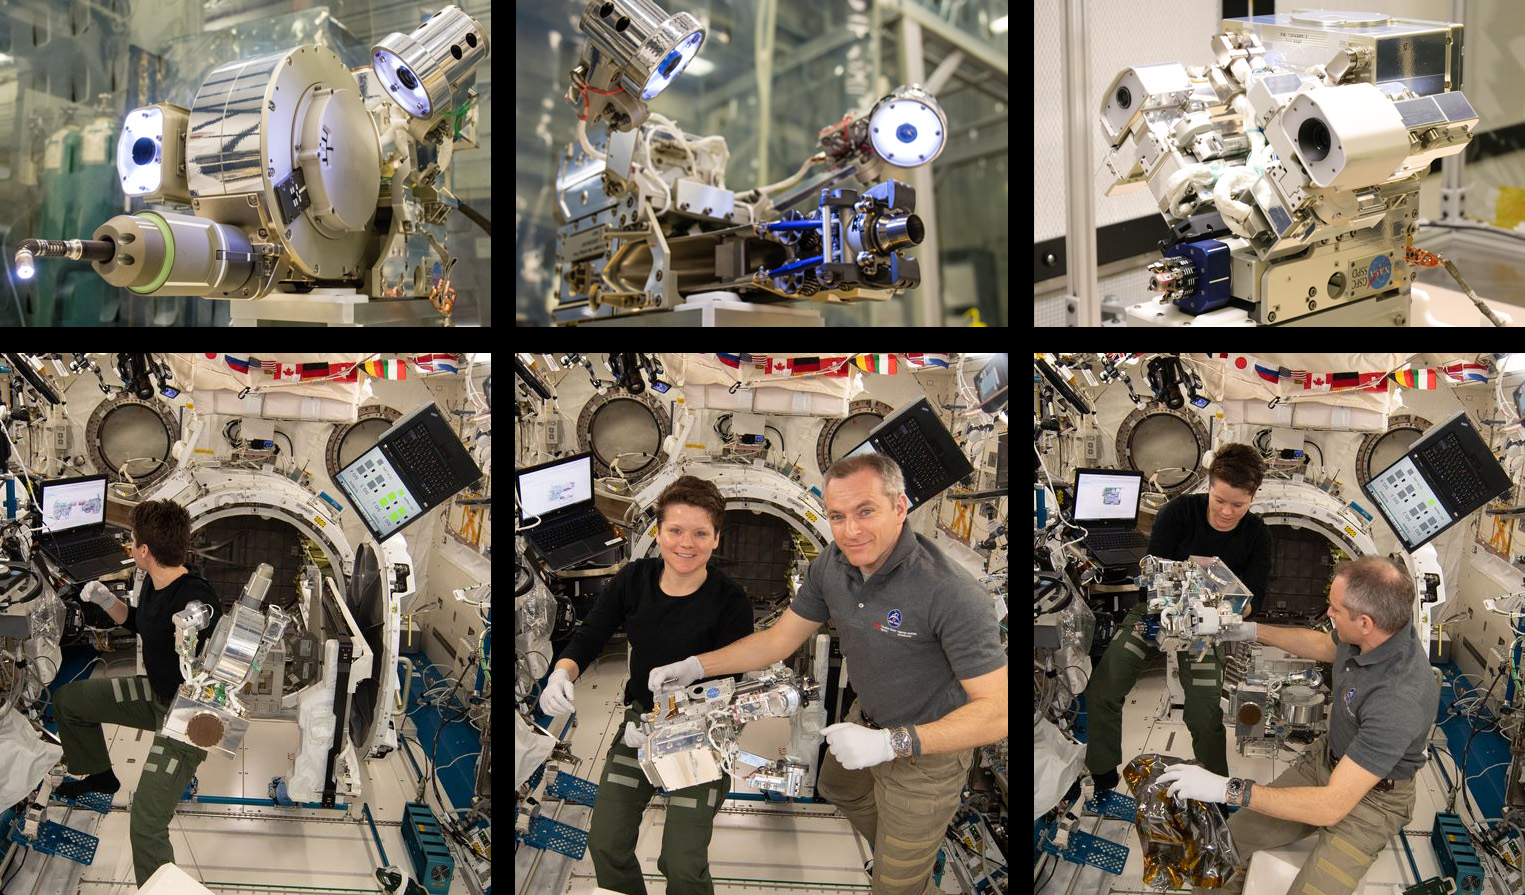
pixel 898 232
pixel 158 253
pixel 650 45
pixel 1301 705
pixel 419 68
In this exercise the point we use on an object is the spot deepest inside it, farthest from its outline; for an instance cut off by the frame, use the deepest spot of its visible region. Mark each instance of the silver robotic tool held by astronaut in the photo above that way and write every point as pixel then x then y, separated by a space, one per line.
pixel 690 735
pixel 309 183
pixel 648 223
pixel 1289 170
pixel 206 711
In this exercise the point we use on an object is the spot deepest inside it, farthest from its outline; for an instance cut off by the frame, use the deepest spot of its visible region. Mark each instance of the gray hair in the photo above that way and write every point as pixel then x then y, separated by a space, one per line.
pixel 888 471
pixel 1378 587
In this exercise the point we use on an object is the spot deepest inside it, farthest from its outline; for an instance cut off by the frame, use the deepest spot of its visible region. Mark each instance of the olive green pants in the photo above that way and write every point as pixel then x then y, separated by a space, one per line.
pixel 1126 655
pixel 1345 850
pixel 623 792
pixel 81 708
pixel 902 807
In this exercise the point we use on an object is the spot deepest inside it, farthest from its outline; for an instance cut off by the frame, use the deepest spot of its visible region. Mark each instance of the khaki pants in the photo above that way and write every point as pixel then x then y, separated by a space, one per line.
pixel 1345 850
pixel 902 807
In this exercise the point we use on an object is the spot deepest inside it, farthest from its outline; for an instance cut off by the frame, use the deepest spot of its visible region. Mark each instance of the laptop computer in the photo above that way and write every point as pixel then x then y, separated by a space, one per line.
pixel 561 494
pixel 1444 477
pixel 73 533
pixel 929 458
pixel 1106 504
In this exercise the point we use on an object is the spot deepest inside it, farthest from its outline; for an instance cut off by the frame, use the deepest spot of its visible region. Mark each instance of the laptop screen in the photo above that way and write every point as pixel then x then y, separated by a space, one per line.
pixel 1409 504
pixel 1442 478
pixel 68 505
pixel 555 487
pixel 374 488
pixel 1104 495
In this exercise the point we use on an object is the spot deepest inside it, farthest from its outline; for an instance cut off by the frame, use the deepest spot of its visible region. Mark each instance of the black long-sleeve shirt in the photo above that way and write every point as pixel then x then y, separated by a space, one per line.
pixel 662 629
pixel 153 619
pixel 1181 531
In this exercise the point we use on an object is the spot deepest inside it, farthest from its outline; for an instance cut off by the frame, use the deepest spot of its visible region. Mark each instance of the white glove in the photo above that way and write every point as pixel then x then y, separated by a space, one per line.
pixel 1241 631
pixel 98 593
pixel 856 746
pixel 633 736
pixel 1189 781
pixel 556 698
pixel 675 676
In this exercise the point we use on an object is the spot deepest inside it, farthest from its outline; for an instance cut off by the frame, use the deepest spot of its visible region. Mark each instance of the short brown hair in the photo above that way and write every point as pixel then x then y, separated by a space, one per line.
pixel 695 492
pixel 1238 466
pixel 1378 587
pixel 888 471
pixel 164 527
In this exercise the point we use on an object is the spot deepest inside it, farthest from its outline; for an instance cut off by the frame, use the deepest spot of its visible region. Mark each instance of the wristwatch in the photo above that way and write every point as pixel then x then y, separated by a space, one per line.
pixel 900 741
pixel 1238 792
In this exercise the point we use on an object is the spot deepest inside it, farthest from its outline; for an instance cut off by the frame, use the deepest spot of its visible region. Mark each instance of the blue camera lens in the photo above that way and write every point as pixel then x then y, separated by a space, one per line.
pixel 143 150
pixel 670 63
pixel 906 133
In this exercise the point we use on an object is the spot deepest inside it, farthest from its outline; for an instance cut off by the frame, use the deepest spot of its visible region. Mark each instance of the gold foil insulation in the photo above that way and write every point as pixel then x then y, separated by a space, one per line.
pixel 1185 844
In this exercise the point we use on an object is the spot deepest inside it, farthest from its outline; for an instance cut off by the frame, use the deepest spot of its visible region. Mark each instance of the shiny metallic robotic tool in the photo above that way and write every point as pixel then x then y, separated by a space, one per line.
pixel 307 182
pixel 1288 170
pixel 648 224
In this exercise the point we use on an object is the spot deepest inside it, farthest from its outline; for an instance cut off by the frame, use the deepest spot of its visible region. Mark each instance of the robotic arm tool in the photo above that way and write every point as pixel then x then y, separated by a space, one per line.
pixel 1190 604
pixel 206 711
pixel 648 223
pixel 306 181
pixel 1288 170
pixel 691 733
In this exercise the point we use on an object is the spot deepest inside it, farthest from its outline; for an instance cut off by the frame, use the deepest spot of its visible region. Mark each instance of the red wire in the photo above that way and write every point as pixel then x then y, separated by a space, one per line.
pixel 587 90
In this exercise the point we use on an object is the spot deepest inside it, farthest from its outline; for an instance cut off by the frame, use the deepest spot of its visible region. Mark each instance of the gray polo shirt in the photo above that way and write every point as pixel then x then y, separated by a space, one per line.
pixel 1384 705
pixel 910 633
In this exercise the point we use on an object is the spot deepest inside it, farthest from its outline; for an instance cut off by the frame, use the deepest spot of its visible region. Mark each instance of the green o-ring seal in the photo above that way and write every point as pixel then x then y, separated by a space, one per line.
pixel 169 252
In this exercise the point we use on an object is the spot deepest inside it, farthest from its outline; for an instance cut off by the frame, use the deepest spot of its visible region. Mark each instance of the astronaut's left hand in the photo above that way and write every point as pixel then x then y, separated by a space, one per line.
pixel 633 736
pixel 856 746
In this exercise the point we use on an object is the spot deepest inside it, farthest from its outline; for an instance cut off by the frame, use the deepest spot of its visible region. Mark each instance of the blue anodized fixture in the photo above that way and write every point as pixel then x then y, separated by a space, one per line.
pixel 1211 258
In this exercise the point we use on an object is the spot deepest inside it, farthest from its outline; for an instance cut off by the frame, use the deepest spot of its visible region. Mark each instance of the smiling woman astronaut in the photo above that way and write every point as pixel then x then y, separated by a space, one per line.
pixel 873 742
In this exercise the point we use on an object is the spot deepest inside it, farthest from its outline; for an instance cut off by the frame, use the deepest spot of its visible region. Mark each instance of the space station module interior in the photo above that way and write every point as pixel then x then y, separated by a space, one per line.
pixel 1415 458
pixel 339 509
pixel 1288 168
pixel 618 429
pixel 648 223
pixel 285 168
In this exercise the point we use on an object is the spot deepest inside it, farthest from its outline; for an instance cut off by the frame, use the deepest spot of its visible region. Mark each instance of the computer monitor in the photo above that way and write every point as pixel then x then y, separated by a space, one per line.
pixel 928 456
pixel 1107 495
pixel 68 504
pixel 1445 476
pixel 416 465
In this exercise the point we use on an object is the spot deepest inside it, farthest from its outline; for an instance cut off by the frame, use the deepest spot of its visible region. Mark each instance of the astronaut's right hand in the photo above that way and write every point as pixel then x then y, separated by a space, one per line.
pixel 675 676
pixel 556 698
pixel 98 593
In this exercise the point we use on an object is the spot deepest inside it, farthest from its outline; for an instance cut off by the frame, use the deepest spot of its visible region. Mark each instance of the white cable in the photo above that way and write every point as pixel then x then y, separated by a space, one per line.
pixel 582 137
pixel 1234 212
pixel 1176 186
